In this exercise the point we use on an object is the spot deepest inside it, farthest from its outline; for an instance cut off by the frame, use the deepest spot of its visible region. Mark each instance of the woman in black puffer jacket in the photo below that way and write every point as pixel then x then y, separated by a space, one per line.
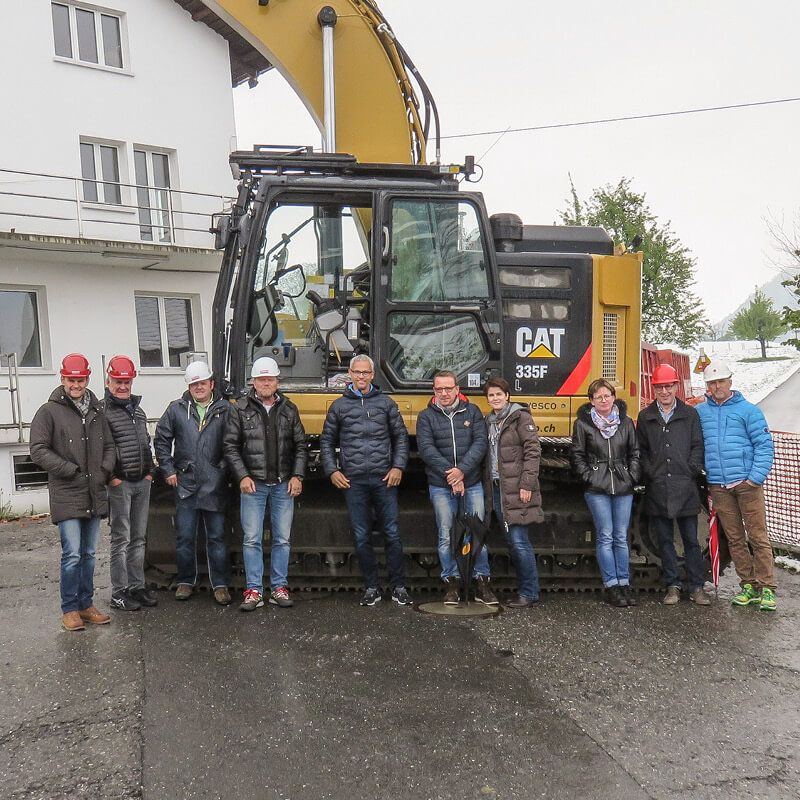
pixel 605 455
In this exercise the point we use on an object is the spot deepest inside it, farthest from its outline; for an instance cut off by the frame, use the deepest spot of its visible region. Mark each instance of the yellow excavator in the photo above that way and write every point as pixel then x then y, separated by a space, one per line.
pixel 368 248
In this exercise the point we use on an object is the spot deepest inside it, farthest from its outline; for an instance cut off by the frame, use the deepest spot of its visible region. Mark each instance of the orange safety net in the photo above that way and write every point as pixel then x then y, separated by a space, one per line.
pixel 782 492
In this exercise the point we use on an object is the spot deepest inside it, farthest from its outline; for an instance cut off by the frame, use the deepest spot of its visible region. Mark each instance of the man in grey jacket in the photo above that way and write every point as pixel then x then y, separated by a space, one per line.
pixel 70 439
pixel 188 446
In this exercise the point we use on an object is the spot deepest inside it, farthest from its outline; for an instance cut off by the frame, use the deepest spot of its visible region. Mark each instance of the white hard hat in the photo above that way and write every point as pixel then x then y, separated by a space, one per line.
pixel 265 367
pixel 197 371
pixel 717 371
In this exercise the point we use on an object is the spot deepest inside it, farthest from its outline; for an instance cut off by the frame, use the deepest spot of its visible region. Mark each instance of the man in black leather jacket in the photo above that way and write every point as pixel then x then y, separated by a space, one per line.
pixel 265 447
pixel 366 426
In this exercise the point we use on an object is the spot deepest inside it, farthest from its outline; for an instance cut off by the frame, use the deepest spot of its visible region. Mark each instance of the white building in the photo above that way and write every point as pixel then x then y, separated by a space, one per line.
pixel 117 126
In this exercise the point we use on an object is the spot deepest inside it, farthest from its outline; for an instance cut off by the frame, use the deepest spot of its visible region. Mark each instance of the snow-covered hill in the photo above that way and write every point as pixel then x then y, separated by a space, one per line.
pixel 754 379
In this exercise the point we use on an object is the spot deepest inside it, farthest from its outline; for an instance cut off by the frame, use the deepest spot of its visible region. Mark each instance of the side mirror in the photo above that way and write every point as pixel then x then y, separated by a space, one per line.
pixel 221 231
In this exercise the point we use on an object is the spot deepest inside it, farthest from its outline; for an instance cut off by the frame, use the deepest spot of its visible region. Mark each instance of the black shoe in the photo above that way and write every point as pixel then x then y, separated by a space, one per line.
pixel 371 596
pixel 615 597
pixel 143 597
pixel 627 593
pixel 401 596
pixel 522 602
pixel 123 601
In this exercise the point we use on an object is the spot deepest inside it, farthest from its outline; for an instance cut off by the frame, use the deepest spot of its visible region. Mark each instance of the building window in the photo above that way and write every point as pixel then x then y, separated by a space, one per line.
pixel 28 475
pixel 165 329
pixel 87 35
pixel 152 195
pixel 19 326
pixel 100 173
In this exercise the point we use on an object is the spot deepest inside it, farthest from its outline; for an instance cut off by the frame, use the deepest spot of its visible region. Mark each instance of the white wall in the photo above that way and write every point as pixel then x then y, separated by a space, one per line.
pixel 174 93
pixel 97 317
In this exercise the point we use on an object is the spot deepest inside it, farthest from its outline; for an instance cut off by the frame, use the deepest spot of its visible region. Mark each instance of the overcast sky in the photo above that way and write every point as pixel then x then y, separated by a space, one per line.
pixel 715 176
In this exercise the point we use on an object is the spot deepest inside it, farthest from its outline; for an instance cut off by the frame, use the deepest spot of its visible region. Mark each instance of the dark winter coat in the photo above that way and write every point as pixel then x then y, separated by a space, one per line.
pixel 447 439
pixel 518 456
pixel 194 453
pixel 672 459
pixel 78 454
pixel 131 437
pixel 245 442
pixel 369 432
pixel 606 466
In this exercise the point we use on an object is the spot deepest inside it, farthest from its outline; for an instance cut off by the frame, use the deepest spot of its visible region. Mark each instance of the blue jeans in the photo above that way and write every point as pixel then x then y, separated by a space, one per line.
pixel 281 512
pixel 187 516
pixel 521 550
pixel 693 558
pixel 611 515
pixel 78 543
pixel 365 497
pixel 445 509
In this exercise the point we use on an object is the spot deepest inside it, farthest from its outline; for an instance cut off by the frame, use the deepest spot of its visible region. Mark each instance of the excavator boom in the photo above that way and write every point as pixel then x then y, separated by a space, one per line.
pixel 381 116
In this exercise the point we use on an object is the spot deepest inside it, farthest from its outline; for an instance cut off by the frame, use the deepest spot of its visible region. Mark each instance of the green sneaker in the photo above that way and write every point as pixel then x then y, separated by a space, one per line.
pixel 746 596
pixel 767 600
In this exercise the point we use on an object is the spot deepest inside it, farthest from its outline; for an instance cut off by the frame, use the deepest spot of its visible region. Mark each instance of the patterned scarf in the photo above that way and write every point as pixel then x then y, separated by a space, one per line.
pixel 606 425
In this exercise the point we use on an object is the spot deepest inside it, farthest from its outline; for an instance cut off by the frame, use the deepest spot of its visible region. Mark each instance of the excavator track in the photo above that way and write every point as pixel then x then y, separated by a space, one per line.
pixel 322 555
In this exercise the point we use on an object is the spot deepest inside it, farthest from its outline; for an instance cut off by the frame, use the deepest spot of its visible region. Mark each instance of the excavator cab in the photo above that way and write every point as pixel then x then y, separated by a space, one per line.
pixel 335 258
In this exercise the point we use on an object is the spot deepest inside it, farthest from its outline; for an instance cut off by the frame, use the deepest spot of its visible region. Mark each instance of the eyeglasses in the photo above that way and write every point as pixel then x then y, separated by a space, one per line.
pixel 444 389
pixel 603 398
pixel 665 387
pixel 361 373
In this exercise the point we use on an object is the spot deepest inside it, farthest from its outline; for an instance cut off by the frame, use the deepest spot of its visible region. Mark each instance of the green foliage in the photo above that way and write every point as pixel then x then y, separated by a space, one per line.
pixel 671 311
pixel 759 321
pixel 791 316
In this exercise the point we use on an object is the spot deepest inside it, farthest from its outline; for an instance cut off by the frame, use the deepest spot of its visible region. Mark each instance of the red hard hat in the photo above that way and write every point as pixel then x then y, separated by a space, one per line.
pixel 75 366
pixel 122 368
pixel 664 374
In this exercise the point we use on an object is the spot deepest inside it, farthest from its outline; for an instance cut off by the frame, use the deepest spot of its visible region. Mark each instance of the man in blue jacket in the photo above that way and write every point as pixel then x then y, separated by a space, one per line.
pixel 452 440
pixel 188 445
pixel 366 426
pixel 738 457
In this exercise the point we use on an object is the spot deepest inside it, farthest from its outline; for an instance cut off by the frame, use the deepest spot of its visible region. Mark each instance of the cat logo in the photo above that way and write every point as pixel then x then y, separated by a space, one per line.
pixel 545 343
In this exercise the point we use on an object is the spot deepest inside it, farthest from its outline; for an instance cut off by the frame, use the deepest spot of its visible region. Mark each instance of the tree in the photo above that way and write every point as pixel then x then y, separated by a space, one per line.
pixel 791 316
pixel 759 321
pixel 671 311
pixel 787 243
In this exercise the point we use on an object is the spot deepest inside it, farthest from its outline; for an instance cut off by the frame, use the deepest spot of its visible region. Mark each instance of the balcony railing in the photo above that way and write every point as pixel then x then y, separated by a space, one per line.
pixel 55 205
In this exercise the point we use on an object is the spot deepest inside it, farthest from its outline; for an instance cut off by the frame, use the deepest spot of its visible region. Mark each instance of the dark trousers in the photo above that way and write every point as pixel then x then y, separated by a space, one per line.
pixel 187 516
pixel 364 497
pixel 693 558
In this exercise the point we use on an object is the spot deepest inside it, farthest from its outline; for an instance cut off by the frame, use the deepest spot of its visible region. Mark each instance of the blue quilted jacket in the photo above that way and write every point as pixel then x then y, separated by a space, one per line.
pixel 738 443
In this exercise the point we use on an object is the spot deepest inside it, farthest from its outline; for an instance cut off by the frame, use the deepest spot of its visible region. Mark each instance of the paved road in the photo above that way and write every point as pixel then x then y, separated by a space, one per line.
pixel 781 407
pixel 573 699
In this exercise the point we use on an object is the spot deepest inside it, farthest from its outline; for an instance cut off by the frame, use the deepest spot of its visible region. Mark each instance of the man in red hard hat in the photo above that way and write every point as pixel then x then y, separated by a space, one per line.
pixel 70 439
pixel 671 453
pixel 129 487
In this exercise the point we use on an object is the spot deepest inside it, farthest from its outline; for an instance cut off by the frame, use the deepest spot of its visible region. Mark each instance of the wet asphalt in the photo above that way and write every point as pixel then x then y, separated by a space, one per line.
pixel 572 699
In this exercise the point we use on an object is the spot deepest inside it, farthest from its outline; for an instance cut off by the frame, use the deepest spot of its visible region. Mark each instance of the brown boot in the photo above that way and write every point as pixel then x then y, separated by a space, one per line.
pixel 72 621
pixel 483 594
pixel 95 616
